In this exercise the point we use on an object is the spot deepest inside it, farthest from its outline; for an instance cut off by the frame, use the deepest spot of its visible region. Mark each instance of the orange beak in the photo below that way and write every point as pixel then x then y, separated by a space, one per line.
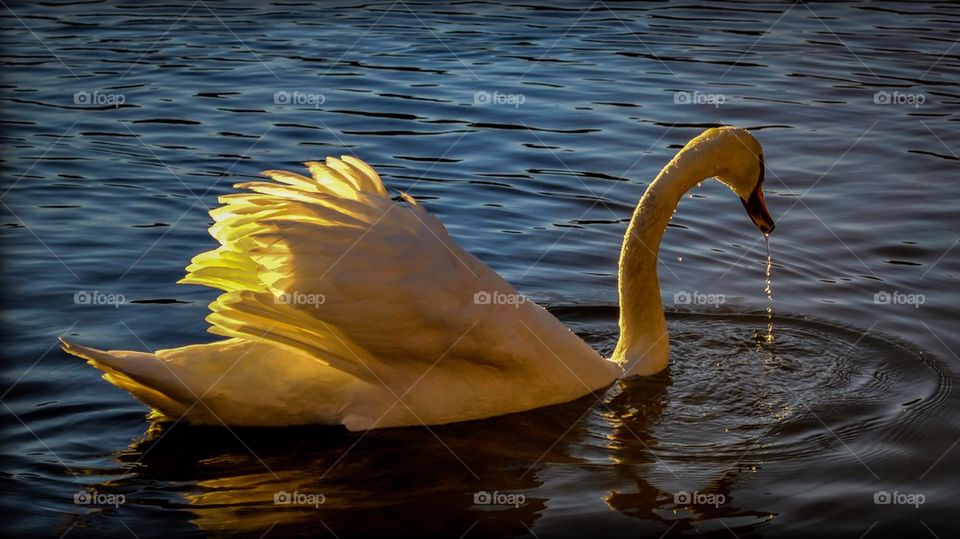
pixel 757 210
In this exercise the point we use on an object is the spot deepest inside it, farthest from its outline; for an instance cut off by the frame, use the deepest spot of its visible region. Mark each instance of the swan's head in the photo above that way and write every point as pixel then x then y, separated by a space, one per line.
pixel 741 169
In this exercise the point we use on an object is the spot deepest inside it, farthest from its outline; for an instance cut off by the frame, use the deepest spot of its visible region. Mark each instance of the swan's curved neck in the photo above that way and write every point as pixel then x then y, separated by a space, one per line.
pixel 644 345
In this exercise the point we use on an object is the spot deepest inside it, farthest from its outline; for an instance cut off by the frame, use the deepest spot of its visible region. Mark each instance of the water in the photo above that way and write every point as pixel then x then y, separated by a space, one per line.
pixel 856 395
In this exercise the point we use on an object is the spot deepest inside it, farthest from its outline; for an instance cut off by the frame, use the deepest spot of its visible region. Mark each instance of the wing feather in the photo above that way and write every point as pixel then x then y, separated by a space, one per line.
pixel 334 267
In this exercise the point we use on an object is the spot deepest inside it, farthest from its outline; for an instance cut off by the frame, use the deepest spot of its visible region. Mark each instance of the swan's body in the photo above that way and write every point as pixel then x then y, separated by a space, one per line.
pixel 343 306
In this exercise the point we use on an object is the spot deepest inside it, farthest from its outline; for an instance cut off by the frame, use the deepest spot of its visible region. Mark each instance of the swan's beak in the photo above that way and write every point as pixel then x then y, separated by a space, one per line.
pixel 757 210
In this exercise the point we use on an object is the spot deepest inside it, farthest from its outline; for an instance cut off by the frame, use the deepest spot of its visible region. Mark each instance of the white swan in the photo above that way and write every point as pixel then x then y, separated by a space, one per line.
pixel 343 306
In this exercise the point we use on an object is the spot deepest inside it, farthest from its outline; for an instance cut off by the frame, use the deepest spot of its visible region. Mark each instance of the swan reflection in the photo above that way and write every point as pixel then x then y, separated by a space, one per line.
pixel 447 479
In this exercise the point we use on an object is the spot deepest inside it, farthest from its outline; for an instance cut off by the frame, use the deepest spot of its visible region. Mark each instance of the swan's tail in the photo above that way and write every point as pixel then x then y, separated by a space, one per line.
pixel 142 374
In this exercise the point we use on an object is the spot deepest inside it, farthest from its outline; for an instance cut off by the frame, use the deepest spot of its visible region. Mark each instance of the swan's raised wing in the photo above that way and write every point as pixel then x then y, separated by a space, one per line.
pixel 332 266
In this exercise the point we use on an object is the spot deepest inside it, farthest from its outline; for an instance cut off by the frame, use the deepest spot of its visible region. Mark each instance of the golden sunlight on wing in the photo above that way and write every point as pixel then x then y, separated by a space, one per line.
pixel 305 265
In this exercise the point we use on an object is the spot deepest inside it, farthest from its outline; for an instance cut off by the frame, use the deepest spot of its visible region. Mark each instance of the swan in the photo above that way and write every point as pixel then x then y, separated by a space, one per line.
pixel 344 306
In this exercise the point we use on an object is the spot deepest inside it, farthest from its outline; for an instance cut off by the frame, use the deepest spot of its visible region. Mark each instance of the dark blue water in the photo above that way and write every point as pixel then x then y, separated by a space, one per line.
pixel 530 131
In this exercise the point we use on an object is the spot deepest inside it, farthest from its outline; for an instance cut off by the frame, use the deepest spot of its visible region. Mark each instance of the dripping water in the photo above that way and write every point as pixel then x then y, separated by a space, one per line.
pixel 769 291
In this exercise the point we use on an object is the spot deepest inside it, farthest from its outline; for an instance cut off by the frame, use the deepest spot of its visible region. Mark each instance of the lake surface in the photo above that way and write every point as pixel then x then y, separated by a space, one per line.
pixel 530 131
